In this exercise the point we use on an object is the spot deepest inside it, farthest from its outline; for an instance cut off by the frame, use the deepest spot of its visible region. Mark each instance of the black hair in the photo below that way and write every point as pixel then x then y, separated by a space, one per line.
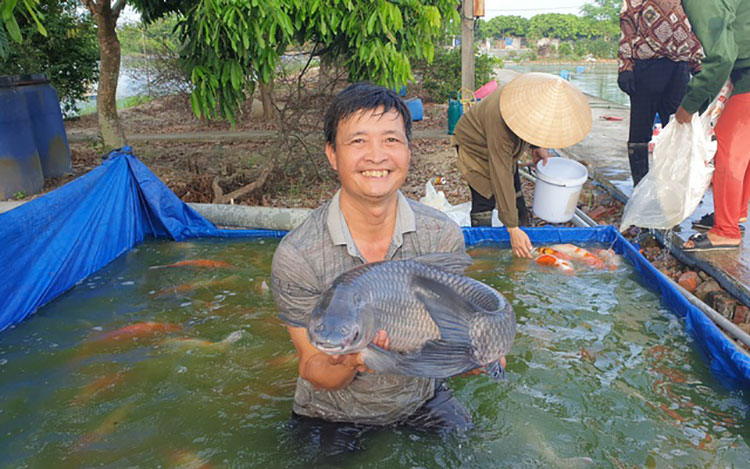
pixel 364 96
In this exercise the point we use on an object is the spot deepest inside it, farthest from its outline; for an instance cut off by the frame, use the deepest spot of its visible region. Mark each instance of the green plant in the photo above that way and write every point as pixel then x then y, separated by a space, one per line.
pixel 565 50
pixel 443 75
pixel 20 195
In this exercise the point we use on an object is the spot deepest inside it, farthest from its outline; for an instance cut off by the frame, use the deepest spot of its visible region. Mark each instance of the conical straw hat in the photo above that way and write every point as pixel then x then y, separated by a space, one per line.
pixel 545 110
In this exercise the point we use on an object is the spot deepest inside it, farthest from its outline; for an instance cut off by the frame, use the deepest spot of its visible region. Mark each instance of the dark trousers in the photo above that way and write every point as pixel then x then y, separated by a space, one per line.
pixel 441 413
pixel 660 85
pixel 480 203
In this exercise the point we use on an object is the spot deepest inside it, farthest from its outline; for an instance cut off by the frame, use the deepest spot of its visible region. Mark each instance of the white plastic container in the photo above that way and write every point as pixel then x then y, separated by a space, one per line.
pixel 558 186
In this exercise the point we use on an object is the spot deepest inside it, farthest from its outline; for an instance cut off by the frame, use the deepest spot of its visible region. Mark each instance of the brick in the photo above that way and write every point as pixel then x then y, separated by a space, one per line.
pixel 722 303
pixel 741 314
pixel 689 281
pixel 705 288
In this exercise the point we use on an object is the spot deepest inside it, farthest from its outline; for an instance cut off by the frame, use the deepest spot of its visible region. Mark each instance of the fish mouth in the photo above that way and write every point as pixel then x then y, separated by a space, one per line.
pixel 348 346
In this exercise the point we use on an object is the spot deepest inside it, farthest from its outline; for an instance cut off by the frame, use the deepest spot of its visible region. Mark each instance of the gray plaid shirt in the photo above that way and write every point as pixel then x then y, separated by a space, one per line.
pixel 307 261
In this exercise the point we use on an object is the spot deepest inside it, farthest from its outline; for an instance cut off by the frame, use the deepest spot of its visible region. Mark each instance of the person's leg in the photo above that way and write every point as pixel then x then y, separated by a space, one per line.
pixel 674 91
pixel 442 412
pixel 523 212
pixel 731 174
pixel 326 438
pixel 481 209
pixel 643 105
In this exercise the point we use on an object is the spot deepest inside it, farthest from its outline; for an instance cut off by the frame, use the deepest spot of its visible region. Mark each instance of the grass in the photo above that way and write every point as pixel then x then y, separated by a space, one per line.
pixel 122 103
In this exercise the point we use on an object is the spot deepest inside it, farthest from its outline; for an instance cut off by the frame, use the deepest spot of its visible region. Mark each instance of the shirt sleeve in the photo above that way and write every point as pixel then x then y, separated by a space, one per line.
pixel 294 286
pixel 628 31
pixel 711 22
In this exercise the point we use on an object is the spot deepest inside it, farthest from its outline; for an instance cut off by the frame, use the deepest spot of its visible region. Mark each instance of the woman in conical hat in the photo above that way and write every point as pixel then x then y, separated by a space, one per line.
pixel 535 111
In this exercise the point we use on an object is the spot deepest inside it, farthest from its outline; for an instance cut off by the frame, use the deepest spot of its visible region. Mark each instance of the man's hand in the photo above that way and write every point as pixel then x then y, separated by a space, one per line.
pixel 354 360
pixel 520 242
pixel 626 82
pixel 682 116
pixel 541 154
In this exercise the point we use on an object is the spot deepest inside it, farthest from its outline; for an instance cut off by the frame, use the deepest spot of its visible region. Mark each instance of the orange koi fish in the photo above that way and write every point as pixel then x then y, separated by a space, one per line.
pixel 608 256
pixel 107 426
pixel 137 330
pixel 202 263
pixel 579 254
pixel 549 259
pixel 548 250
pixel 97 386
pixel 191 286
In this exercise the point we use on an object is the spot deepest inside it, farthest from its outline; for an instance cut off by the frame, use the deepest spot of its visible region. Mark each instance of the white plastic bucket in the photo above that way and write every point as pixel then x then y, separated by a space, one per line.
pixel 558 185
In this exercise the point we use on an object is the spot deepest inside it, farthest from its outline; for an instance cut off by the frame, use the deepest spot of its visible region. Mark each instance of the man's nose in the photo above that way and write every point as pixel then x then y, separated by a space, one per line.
pixel 376 152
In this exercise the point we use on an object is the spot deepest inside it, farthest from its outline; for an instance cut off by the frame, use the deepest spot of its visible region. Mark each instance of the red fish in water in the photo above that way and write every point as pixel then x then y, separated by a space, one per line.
pixel 188 287
pixel 549 259
pixel 579 254
pixel 97 386
pixel 553 252
pixel 138 330
pixel 202 263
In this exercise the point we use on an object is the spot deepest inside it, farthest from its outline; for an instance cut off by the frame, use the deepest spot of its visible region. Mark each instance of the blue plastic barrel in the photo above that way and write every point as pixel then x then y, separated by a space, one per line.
pixel 20 167
pixel 416 109
pixel 47 124
pixel 580 69
pixel 565 74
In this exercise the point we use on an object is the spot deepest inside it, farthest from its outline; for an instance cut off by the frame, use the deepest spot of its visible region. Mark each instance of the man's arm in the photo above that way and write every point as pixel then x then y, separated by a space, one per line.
pixel 322 370
pixel 628 29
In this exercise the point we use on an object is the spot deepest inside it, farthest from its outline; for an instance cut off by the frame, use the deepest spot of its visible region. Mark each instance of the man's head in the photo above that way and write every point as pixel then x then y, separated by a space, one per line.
pixel 367 141
pixel 364 96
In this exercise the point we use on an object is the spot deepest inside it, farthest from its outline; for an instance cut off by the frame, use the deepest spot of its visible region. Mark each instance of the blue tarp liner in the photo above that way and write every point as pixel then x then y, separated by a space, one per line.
pixel 55 241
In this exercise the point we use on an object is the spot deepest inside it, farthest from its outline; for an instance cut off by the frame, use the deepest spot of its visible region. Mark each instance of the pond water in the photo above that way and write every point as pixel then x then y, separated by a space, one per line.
pixel 595 79
pixel 601 375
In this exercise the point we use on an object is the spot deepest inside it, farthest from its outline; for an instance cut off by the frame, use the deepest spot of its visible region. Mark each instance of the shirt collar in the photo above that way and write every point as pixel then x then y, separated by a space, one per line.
pixel 340 234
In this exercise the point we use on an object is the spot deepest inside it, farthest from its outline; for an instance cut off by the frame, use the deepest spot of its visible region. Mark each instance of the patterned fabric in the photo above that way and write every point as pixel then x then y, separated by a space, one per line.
pixel 653 29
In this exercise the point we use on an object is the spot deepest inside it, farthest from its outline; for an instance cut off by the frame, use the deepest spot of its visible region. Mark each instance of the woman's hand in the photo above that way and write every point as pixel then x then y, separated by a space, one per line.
pixel 520 242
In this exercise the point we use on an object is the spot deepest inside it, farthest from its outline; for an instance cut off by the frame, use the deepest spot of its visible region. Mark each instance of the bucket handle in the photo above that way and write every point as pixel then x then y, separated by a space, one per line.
pixel 533 172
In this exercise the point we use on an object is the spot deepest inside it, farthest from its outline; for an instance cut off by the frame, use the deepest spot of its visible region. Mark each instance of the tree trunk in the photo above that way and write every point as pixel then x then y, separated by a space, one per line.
pixel 266 97
pixel 109 72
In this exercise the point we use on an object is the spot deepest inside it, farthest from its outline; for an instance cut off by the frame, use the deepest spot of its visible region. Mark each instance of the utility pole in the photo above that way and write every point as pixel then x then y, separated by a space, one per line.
pixel 467 44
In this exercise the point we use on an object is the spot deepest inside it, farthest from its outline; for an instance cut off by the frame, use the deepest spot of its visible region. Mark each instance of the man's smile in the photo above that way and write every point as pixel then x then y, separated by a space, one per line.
pixel 375 173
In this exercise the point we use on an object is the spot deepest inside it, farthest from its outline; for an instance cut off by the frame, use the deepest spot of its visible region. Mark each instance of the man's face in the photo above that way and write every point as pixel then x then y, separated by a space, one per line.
pixel 371 155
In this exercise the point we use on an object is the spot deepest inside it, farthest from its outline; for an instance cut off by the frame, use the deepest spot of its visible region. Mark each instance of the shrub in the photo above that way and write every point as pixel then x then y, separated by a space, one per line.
pixel 443 76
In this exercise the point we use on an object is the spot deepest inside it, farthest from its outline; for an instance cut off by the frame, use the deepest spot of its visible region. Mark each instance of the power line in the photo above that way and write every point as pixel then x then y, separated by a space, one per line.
pixel 533 9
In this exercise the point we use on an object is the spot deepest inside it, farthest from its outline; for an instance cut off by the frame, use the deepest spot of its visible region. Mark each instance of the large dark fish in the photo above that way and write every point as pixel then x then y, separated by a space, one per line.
pixel 439 324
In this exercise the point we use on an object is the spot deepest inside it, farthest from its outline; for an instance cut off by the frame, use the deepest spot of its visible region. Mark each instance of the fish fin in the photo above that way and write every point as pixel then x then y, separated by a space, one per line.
pixel 450 311
pixel 455 262
pixel 437 359
pixel 495 370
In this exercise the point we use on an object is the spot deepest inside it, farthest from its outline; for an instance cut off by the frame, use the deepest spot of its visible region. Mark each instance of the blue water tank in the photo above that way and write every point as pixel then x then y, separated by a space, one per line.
pixel 416 109
pixel 47 124
pixel 580 69
pixel 20 167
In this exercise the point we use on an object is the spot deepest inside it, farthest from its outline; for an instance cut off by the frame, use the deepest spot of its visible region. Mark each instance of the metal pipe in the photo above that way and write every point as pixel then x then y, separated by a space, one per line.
pixel 243 216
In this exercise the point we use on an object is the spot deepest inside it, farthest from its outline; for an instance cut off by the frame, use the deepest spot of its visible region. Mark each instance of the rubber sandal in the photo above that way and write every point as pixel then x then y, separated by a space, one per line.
pixel 707 222
pixel 702 243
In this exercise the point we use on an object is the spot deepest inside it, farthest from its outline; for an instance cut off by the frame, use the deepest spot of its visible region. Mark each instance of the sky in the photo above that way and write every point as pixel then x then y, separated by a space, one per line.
pixel 529 8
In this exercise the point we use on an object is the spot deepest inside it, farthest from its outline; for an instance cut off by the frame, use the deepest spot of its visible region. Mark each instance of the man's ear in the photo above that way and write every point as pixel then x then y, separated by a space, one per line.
pixel 331 154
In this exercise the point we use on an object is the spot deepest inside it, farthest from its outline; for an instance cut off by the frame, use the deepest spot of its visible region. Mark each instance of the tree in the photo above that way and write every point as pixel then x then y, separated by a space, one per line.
pixel 502 26
pixel 9 9
pixel 554 25
pixel 67 55
pixel 231 45
pixel 604 17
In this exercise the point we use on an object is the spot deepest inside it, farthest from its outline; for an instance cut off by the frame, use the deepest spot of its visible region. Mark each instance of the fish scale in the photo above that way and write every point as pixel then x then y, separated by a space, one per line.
pixel 417 305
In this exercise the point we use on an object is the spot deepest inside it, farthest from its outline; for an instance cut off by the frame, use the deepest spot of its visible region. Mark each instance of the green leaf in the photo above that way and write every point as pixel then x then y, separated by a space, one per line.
pixel 13 30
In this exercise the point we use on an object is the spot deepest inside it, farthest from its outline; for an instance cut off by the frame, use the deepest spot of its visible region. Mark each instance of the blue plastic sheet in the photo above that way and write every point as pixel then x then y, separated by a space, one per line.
pixel 55 241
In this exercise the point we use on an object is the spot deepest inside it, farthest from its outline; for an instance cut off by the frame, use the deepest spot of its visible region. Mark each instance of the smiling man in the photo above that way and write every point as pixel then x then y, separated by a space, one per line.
pixel 367 131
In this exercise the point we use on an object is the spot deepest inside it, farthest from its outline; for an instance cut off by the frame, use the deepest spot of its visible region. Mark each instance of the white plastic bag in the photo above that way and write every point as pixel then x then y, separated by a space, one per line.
pixel 436 199
pixel 681 172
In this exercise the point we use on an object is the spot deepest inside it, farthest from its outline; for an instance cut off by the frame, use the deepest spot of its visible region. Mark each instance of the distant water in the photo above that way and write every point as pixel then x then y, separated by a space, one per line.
pixel 596 79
